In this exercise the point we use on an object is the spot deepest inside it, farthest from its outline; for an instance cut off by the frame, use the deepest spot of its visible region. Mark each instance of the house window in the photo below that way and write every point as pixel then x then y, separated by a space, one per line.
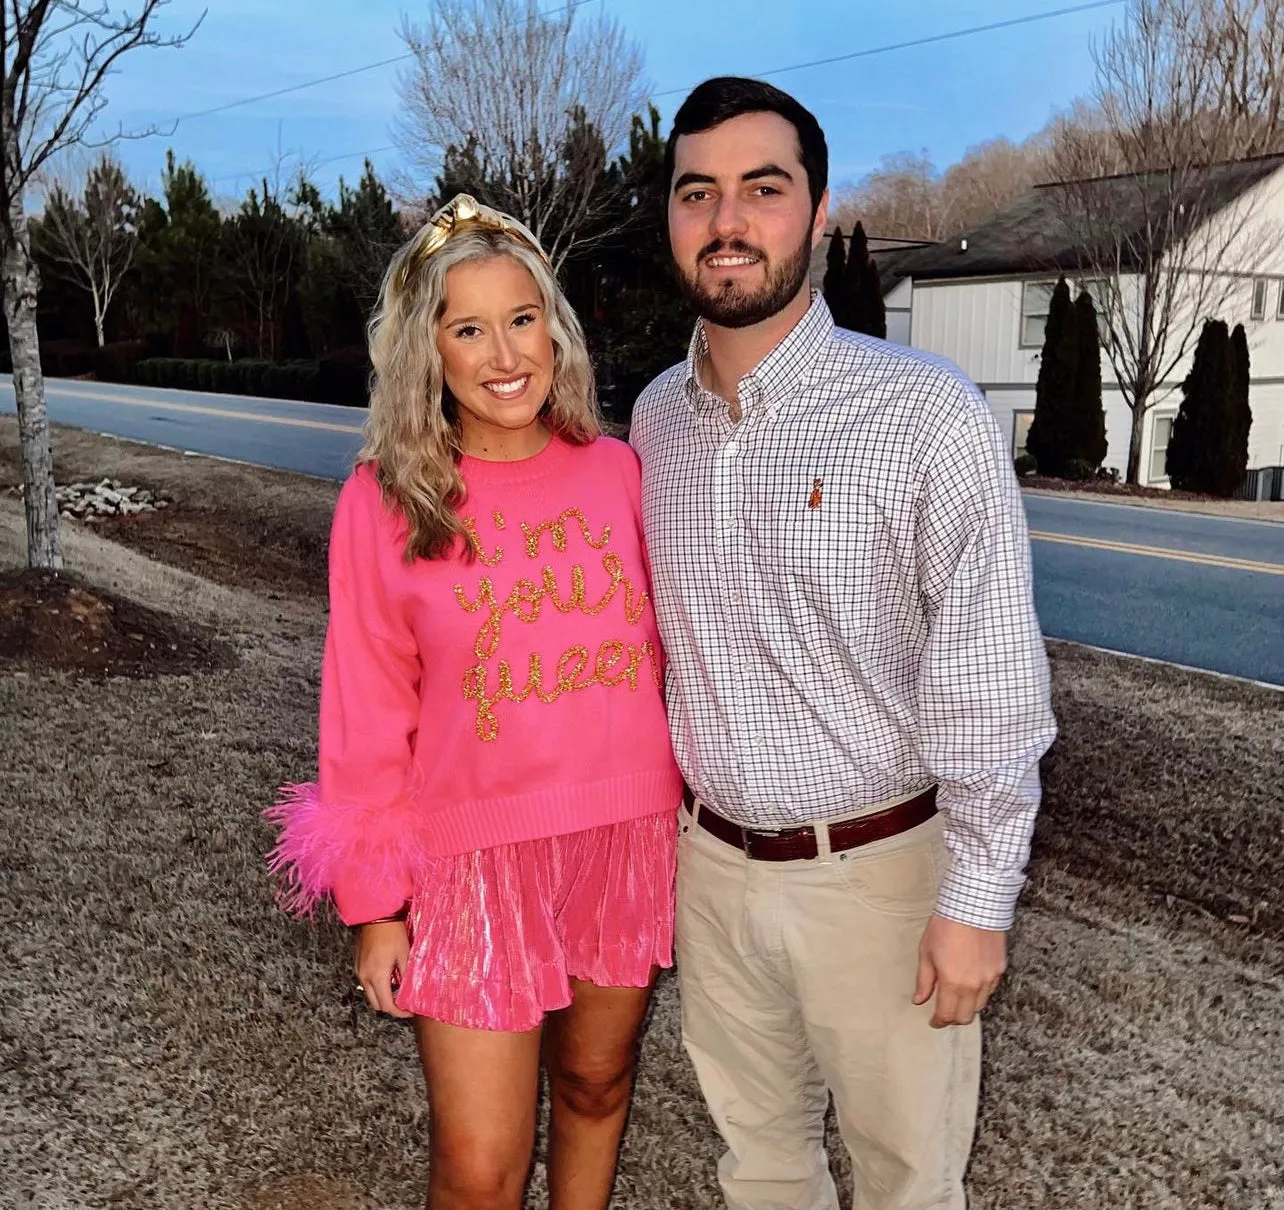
pixel 1279 309
pixel 1160 435
pixel 1259 299
pixel 1036 297
pixel 1020 432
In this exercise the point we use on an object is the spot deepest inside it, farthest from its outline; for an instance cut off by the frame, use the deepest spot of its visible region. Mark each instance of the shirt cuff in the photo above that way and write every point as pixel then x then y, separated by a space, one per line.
pixel 985 899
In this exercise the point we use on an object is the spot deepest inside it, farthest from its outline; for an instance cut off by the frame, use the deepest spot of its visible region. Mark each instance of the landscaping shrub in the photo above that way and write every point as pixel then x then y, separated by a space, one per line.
pixel 67 358
pixel 118 361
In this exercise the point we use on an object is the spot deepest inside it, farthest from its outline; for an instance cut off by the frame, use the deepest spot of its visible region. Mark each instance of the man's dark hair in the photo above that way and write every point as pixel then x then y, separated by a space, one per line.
pixel 726 97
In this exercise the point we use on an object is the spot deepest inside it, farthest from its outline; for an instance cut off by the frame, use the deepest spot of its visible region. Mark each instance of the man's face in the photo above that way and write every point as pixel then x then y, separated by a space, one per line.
pixel 740 219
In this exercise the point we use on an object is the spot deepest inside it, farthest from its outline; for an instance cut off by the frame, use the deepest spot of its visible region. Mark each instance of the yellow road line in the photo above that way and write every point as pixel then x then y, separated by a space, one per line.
pixel 201 410
pixel 1161 552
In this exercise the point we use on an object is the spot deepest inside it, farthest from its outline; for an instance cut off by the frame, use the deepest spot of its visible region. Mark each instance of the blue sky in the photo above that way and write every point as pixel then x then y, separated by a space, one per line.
pixel 940 98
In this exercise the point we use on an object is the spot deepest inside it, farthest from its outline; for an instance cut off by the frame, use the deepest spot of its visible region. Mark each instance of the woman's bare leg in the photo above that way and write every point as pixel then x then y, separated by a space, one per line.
pixel 482 1089
pixel 590 1050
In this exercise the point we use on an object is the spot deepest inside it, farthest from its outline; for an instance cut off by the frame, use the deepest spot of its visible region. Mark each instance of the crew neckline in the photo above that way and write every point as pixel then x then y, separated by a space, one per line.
pixel 537 466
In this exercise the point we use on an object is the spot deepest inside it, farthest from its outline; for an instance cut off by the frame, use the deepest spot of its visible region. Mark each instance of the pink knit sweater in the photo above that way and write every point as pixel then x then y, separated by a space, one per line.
pixel 471 704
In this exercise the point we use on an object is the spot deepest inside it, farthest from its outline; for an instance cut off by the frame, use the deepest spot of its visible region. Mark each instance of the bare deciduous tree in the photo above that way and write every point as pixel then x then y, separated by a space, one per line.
pixel 55 56
pixel 906 198
pixel 901 200
pixel 95 236
pixel 1186 92
pixel 538 100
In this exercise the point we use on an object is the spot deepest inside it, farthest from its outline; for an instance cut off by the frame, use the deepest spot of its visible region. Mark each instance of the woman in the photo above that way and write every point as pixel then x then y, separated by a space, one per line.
pixel 496 801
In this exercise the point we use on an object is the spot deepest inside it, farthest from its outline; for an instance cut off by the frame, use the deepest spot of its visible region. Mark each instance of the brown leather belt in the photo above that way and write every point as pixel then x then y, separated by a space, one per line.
pixel 799 844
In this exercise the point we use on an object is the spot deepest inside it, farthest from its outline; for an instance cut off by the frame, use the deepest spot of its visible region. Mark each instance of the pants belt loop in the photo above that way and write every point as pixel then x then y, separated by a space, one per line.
pixel 823 850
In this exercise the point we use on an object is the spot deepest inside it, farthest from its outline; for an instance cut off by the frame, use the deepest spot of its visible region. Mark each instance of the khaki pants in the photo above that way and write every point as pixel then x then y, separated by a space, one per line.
pixel 796 981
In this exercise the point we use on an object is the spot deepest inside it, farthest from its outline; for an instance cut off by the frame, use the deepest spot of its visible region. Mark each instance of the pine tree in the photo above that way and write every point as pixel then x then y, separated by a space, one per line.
pixel 1197 448
pixel 875 310
pixel 1241 411
pixel 1086 440
pixel 1049 438
pixel 861 290
pixel 835 284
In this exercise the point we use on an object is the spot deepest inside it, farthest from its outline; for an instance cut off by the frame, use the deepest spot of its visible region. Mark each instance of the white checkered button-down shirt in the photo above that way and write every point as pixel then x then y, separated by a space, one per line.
pixel 842 579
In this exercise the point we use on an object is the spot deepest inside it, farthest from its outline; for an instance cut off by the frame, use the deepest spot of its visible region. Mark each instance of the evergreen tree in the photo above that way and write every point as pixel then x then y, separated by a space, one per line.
pixel 1049 438
pixel 835 284
pixel 874 308
pixel 178 264
pixel 1241 411
pixel 1087 437
pixel 1201 436
pixel 862 293
pixel 635 318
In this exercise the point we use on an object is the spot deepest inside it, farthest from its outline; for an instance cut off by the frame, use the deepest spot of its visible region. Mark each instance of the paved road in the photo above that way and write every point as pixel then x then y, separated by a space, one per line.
pixel 1203 591
pixel 313 438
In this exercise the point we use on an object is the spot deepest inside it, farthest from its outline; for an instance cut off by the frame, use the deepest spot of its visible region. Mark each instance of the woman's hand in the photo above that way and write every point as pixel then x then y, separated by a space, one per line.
pixel 380 961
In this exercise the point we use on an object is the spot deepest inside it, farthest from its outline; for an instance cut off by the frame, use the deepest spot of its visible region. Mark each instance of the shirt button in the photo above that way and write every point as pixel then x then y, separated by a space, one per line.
pixel 735 598
pixel 759 741
pixel 731 450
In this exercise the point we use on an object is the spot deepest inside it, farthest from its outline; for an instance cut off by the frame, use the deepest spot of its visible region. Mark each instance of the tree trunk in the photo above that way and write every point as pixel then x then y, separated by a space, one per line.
pixel 21 285
pixel 1135 436
pixel 98 317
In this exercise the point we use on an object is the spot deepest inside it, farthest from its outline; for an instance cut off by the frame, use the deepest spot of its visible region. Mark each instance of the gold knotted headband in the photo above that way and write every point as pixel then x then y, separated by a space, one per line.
pixel 462 212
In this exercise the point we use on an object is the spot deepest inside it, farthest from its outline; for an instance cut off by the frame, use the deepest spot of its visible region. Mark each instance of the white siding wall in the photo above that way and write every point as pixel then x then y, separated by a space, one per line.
pixel 976 323
pixel 899 303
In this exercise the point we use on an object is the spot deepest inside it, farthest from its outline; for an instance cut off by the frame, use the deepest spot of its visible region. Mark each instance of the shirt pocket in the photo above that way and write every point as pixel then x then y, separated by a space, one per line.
pixel 835 556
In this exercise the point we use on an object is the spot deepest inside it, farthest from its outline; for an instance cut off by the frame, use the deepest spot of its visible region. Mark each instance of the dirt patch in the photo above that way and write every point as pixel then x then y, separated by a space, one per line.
pixel 1111 487
pixel 264 530
pixel 228 546
pixel 1155 497
pixel 54 622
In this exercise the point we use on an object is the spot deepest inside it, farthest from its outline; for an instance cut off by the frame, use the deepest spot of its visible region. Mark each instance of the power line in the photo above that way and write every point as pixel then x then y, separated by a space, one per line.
pixel 1010 23
pixel 280 92
pixel 330 159
pixel 927 40
pixel 339 75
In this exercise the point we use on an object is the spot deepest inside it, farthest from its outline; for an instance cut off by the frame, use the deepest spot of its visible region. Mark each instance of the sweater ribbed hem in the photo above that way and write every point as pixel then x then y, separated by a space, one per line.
pixel 463 827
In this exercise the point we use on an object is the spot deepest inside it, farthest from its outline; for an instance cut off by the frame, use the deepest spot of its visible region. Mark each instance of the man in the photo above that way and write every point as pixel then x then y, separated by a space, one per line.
pixel 858 690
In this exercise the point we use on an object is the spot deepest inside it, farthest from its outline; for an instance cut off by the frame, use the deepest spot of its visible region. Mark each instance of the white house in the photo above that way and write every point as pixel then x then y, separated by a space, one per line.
pixel 982 301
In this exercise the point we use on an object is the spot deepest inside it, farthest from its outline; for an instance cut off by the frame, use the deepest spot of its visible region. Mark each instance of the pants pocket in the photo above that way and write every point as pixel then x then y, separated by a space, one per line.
pixel 900 876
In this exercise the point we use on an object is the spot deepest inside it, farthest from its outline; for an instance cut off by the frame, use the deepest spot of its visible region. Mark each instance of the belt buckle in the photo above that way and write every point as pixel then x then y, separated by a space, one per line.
pixel 749 836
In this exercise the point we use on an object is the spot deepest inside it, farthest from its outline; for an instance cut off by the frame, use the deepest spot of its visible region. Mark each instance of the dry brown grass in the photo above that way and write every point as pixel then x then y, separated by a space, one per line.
pixel 168 1039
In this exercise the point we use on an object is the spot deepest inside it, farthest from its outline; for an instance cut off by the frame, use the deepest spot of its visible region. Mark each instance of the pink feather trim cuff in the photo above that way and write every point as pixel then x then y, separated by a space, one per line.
pixel 373 852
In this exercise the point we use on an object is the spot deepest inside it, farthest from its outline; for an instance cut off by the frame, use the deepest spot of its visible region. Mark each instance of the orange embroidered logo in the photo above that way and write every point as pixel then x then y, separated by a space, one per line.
pixel 817 486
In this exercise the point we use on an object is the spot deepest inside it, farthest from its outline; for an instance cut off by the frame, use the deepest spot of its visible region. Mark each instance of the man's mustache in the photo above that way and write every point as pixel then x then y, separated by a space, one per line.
pixel 733 247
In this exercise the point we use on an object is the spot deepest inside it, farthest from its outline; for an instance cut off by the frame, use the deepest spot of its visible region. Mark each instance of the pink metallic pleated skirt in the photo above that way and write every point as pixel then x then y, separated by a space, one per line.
pixel 498 934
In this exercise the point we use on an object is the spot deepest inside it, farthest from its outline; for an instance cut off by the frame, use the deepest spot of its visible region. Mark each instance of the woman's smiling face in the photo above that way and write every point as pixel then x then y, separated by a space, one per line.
pixel 496 351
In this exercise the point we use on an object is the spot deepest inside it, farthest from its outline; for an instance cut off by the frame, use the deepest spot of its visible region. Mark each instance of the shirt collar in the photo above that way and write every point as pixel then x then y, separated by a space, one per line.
pixel 775 378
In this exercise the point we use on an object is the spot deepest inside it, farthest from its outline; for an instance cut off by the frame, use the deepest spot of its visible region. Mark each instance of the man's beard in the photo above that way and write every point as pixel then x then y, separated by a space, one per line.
pixel 727 305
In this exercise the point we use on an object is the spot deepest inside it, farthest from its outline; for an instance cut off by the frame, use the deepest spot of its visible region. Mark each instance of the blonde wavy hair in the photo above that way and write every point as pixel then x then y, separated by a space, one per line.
pixel 412 433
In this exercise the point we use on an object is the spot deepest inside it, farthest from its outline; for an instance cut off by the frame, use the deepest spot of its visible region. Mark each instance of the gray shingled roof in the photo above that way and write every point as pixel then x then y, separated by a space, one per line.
pixel 1030 236
pixel 878 246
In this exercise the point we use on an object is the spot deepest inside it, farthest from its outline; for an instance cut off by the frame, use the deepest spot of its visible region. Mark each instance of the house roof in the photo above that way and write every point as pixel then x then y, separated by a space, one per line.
pixel 879 245
pixel 1030 236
